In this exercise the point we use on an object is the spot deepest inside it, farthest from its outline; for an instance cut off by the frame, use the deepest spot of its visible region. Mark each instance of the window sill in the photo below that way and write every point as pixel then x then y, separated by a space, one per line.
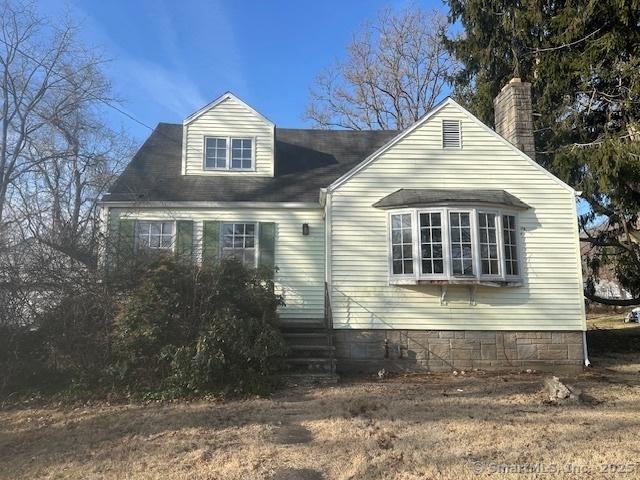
pixel 457 281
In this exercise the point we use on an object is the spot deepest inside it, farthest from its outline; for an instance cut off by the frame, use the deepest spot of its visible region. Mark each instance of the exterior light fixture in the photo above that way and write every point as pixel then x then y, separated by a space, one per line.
pixel 305 229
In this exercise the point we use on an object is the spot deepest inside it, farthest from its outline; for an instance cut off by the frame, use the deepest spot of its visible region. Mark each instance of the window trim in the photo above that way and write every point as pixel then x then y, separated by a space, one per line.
pixel 445 241
pixel 227 167
pixel 519 246
pixel 390 243
pixel 204 153
pixel 459 147
pixel 448 276
pixel 474 242
pixel 256 240
pixel 499 244
pixel 157 220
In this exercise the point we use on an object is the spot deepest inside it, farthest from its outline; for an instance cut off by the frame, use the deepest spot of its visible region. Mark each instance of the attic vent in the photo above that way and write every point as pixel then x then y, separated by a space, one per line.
pixel 451 134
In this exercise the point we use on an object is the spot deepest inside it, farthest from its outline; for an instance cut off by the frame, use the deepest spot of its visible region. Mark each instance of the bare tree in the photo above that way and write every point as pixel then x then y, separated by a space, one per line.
pixel 394 73
pixel 58 202
pixel 45 76
pixel 57 158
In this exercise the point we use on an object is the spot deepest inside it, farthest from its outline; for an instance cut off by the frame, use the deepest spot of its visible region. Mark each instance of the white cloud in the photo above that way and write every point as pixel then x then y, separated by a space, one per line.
pixel 151 90
pixel 171 90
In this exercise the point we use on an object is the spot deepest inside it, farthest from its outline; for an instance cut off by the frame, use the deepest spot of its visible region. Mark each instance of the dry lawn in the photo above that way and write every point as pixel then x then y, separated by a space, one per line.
pixel 417 427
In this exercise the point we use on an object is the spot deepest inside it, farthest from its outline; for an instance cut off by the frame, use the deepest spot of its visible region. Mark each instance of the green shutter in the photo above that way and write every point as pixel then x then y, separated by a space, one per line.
pixel 267 245
pixel 210 241
pixel 184 239
pixel 126 237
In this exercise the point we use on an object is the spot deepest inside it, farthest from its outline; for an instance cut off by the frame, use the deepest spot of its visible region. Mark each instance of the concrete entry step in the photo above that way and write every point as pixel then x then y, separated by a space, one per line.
pixel 311 364
pixel 310 345
pixel 308 379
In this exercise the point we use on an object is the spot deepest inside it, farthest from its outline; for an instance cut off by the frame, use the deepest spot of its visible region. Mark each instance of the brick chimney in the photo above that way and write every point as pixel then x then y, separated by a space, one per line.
pixel 514 115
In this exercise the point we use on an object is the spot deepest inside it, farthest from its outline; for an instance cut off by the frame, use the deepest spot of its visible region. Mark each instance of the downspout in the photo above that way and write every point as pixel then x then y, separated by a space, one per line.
pixel 585 353
pixel 587 363
pixel 326 200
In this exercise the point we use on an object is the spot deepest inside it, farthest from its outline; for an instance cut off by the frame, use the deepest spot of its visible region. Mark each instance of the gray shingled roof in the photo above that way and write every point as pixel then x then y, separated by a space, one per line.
pixel 422 197
pixel 306 160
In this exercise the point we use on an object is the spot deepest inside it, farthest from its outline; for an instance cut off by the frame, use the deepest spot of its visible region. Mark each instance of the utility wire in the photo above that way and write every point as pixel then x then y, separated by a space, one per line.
pixel 68 79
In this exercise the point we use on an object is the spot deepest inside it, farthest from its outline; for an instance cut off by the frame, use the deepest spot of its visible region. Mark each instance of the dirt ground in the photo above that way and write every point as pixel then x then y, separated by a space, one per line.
pixel 416 427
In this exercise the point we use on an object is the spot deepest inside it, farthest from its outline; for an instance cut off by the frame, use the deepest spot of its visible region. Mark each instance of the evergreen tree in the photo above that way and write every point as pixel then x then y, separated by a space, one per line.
pixel 583 61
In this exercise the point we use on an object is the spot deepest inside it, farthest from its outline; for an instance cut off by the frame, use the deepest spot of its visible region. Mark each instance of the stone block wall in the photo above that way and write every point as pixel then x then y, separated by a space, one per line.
pixel 514 115
pixel 447 350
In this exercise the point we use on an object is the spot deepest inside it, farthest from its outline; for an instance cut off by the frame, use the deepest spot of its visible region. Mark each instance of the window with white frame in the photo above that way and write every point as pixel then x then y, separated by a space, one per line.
pixel 154 235
pixel 488 241
pixel 227 153
pixel 215 155
pixel 241 153
pixel 239 241
pixel 449 243
pixel 461 251
pixel 510 245
pixel 401 244
pixel 431 246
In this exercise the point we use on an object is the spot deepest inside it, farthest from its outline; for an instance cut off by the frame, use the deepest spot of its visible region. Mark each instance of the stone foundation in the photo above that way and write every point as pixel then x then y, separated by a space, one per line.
pixel 446 350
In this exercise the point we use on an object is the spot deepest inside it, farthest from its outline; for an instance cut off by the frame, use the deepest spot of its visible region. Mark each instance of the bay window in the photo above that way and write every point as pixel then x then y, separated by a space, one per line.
pixel 454 244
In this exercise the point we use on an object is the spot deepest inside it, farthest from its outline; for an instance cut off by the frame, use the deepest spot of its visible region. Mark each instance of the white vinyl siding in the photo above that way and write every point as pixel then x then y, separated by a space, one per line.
pixel 230 120
pixel 299 258
pixel 550 297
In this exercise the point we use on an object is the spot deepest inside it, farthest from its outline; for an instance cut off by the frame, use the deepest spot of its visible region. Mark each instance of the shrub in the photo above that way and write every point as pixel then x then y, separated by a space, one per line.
pixel 77 335
pixel 23 359
pixel 190 330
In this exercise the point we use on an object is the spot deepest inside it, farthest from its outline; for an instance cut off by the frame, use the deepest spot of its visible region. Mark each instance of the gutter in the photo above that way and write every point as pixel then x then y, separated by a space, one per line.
pixel 205 204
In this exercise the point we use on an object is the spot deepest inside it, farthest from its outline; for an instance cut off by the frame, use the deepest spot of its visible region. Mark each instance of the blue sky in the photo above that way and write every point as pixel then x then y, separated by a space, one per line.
pixel 169 58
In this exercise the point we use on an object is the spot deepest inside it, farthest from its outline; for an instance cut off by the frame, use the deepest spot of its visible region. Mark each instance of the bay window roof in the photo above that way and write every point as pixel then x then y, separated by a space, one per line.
pixel 426 197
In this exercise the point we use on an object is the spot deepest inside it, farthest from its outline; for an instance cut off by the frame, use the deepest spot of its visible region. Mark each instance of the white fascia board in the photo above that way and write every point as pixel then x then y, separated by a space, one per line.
pixel 220 99
pixel 219 205
pixel 433 111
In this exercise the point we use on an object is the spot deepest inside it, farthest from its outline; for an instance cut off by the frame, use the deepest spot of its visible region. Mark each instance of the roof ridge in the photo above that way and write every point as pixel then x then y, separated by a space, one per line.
pixel 295 129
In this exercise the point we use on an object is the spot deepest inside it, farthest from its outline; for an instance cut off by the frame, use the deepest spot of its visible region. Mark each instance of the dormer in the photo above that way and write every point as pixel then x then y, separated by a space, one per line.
pixel 228 137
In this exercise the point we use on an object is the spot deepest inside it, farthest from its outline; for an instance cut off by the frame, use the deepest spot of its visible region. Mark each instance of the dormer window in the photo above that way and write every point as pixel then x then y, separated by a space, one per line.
pixel 227 153
pixel 215 156
pixel 241 154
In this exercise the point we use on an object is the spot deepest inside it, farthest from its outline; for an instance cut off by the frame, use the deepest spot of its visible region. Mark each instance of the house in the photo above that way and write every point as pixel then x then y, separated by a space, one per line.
pixel 442 246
